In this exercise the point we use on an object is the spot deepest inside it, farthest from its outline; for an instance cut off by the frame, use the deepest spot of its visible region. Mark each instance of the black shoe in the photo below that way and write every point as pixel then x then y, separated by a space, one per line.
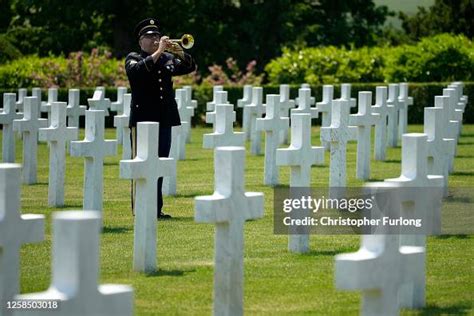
pixel 162 215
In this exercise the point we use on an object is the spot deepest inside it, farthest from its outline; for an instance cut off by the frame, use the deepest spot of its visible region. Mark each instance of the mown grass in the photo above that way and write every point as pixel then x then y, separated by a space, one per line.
pixel 276 282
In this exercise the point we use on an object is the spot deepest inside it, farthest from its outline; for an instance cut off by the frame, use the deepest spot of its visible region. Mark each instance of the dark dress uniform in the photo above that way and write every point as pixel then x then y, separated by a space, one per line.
pixel 153 97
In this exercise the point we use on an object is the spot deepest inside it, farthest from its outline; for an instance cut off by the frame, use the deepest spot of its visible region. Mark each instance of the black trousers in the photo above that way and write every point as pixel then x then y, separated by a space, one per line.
pixel 164 146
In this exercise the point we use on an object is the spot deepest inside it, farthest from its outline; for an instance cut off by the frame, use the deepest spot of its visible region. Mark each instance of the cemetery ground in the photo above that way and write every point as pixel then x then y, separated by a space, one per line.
pixel 276 281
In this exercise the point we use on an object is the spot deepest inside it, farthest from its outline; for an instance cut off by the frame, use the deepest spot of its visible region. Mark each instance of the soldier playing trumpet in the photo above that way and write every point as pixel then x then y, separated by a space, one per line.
pixel 150 75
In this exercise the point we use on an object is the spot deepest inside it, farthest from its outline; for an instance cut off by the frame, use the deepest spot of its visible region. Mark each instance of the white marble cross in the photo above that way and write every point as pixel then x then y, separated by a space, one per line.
pixel 459 86
pixel 256 110
pixel 189 96
pixel 122 122
pixel 451 126
pixel 28 126
pixel 146 168
pixel 242 103
pixel 224 134
pixel 325 108
pixel 210 105
pixel 460 103
pixel 186 112
pixel 76 269
pixel 338 134
pixel 312 100
pixel 46 105
pixel 36 92
pixel 169 183
pixel 272 124
pixel 191 104
pixel 286 105
pixel 22 94
pixel 300 156
pixel 414 175
pixel 379 269
pixel 118 106
pixel 7 115
pixel 57 135
pixel 94 148
pixel 229 207
pixel 393 110
pixel 404 101
pixel 220 97
pixel 456 113
pixel 440 149
pixel 15 229
pixel 364 120
pixel 74 111
pixel 304 103
pixel 99 101
pixel 346 94
pixel 380 108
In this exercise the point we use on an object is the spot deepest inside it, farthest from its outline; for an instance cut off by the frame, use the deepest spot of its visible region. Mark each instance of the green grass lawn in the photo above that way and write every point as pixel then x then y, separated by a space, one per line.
pixel 276 282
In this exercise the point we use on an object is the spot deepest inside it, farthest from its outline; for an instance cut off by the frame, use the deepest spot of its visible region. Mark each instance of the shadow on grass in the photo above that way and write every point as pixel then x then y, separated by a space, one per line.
pixel 465 143
pixel 456 236
pixel 463 173
pixel 193 195
pixel 111 163
pixel 393 161
pixel 375 180
pixel 458 199
pixel 433 310
pixel 329 253
pixel 115 230
pixel 192 159
pixel 73 205
pixel 39 184
pixel 161 272
pixel 464 156
pixel 179 219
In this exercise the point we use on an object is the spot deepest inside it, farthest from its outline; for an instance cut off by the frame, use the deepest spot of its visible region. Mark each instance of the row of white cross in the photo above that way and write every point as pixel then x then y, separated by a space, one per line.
pixel 75 256
pixel 230 205
pixel 388 269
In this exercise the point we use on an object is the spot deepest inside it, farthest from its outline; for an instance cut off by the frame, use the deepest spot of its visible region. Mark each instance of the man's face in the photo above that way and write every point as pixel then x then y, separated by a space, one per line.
pixel 149 42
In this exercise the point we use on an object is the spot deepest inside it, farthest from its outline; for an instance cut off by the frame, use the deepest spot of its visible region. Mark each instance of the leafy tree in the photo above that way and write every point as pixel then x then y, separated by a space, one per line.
pixel 245 30
pixel 445 16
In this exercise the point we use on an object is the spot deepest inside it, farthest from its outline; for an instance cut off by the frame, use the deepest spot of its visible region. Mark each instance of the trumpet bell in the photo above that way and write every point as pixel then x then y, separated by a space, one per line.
pixel 187 41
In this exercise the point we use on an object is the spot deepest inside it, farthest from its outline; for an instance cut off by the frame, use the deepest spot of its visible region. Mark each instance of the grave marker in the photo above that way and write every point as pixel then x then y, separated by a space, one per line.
pixel 146 168
pixel 7 115
pixel 74 110
pixel 75 271
pixel 94 149
pixel 272 124
pixel 57 135
pixel 364 119
pixel 229 207
pixel 28 126
pixel 15 230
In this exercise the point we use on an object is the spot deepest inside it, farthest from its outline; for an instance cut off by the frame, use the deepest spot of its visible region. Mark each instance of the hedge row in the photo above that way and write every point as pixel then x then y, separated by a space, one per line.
pixel 422 93
pixel 439 58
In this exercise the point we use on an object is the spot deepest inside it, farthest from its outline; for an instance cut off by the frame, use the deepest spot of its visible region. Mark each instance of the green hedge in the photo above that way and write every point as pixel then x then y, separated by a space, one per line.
pixel 436 59
pixel 423 94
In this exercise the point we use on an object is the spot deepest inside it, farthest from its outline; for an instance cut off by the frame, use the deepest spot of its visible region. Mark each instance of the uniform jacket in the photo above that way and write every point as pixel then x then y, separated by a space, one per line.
pixel 151 83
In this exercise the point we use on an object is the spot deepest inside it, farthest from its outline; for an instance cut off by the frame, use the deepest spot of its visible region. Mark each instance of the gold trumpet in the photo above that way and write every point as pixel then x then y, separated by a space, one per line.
pixel 186 41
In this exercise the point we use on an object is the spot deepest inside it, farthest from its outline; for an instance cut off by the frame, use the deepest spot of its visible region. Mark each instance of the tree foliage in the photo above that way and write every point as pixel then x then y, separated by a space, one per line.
pixel 244 30
pixel 445 16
